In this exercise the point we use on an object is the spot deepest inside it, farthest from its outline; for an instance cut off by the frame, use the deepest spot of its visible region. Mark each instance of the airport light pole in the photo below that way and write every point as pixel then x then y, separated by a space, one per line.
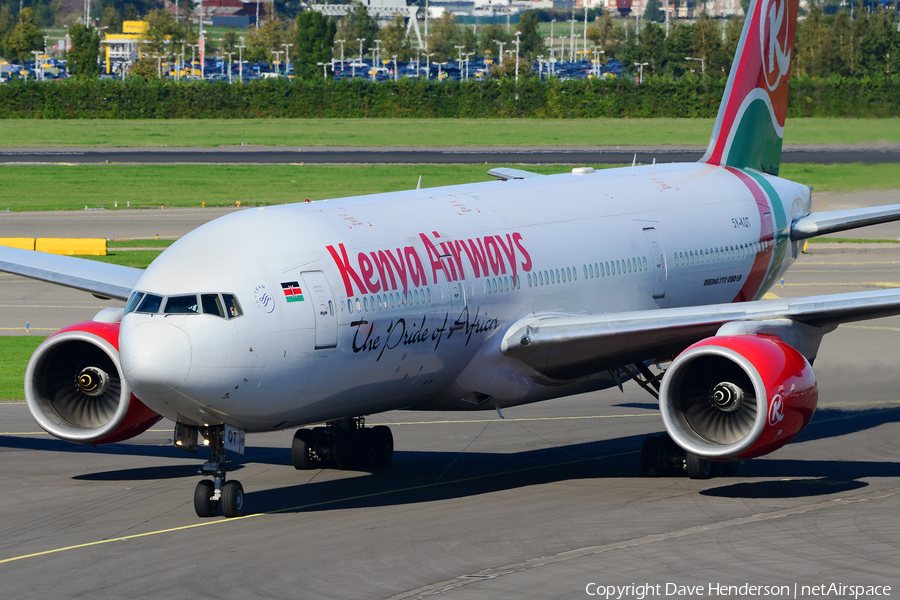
pixel 287 57
pixel 641 71
pixel 197 48
pixel 377 51
pixel 702 64
pixel 241 60
pixel 341 42
pixel 277 53
pixel 460 49
pixel 360 40
pixel 38 73
pixel 518 33
pixel 572 36
pixel 373 71
pixel 585 29
pixel 428 65
pixel 324 69
pixel 395 67
pixel 501 44
pixel 467 55
pixel 158 58
pixel 230 77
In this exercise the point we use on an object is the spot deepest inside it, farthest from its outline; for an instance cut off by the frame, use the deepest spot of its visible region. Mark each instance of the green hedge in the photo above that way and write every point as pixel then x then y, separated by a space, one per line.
pixel 656 97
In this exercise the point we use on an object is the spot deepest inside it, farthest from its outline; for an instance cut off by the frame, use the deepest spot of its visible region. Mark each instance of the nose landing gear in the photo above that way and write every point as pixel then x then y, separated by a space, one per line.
pixel 209 495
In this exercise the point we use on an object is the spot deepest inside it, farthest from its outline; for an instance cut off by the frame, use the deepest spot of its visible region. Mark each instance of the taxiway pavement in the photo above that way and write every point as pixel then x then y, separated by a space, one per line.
pixel 811 153
pixel 537 505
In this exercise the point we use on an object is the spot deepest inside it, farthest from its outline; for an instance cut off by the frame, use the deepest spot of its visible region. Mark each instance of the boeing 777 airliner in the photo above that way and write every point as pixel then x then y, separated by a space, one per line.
pixel 469 297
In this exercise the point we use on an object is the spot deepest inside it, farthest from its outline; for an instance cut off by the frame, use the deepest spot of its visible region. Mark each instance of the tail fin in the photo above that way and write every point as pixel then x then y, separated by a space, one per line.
pixel 750 126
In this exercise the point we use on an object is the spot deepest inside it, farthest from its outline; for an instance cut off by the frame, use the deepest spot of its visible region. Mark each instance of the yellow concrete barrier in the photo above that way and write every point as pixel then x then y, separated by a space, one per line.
pixel 69 246
pixel 21 243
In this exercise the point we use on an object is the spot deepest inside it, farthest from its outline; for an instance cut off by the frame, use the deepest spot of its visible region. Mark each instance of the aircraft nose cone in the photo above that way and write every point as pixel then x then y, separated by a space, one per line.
pixel 156 357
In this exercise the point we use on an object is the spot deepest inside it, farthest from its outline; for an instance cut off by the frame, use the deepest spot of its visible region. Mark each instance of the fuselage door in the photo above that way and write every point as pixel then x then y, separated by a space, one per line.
pixel 322 300
pixel 659 262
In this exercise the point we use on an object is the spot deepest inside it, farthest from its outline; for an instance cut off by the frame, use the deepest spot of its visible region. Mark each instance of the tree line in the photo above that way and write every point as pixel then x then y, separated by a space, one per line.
pixel 826 45
pixel 689 96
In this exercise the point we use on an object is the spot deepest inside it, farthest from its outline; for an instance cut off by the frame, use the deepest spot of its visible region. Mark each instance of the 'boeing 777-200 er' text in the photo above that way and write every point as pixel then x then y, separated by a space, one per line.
pixel 477 296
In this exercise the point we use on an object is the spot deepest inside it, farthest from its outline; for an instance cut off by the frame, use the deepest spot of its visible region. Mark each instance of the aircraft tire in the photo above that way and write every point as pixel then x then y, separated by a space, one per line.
pixel 302 448
pixel 346 452
pixel 728 469
pixel 365 447
pixel 232 499
pixel 383 443
pixel 650 456
pixel 697 467
pixel 203 506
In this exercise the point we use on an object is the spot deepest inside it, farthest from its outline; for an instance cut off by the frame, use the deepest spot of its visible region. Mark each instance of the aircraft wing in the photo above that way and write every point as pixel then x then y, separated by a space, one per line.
pixel 820 223
pixel 565 347
pixel 100 279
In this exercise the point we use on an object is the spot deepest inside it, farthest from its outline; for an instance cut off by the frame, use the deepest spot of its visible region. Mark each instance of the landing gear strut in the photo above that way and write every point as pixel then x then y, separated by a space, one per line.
pixel 346 443
pixel 661 457
pixel 209 495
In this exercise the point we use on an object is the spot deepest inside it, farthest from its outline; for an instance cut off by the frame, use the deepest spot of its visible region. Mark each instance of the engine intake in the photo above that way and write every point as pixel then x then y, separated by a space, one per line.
pixel 737 397
pixel 75 390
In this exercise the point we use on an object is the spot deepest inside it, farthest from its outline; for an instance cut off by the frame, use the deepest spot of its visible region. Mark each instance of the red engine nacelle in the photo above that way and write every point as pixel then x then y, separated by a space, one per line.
pixel 737 397
pixel 75 390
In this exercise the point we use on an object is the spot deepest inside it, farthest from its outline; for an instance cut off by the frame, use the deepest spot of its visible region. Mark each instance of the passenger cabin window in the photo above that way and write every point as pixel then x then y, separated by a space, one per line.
pixel 182 305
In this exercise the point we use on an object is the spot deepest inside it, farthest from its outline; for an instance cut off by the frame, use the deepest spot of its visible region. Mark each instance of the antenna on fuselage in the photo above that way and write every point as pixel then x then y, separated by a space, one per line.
pixel 633 161
pixel 419 185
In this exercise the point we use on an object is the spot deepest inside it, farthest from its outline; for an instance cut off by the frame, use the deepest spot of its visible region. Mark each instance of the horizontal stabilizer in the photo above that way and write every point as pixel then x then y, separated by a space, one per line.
pixel 505 174
pixel 820 223
pixel 101 279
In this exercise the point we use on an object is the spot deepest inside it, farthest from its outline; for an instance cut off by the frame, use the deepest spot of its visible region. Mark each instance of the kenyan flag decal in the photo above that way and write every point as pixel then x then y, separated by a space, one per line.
pixel 292 291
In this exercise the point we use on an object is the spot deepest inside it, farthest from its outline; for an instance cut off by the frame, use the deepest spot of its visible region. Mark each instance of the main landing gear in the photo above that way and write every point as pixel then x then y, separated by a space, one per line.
pixel 661 457
pixel 346 443
pixel 209 495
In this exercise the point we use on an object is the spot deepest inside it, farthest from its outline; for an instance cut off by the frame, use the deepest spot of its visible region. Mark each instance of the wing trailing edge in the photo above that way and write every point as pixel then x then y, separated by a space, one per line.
pixel 567 347
pixel 101 279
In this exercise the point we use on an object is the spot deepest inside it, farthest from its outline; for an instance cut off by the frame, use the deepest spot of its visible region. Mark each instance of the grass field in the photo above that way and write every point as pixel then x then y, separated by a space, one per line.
pixel 14 354
pixel 133 244
pixel 96 186
pixel 417 132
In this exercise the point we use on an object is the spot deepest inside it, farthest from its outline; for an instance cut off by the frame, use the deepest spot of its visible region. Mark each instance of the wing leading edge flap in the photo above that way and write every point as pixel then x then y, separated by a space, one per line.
pixel 570 346
pixel 820 223
pixel 103 279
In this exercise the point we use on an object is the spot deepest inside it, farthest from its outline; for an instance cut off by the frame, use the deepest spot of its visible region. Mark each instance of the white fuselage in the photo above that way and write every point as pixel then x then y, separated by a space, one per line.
pixel 405 295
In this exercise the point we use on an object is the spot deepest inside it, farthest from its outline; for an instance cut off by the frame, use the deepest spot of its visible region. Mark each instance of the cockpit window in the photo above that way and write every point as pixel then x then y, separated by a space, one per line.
pixel 225 306
pixel 182 305
pixel 150 304
pixel 133 301
pixel 232 308
pixel 212 305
